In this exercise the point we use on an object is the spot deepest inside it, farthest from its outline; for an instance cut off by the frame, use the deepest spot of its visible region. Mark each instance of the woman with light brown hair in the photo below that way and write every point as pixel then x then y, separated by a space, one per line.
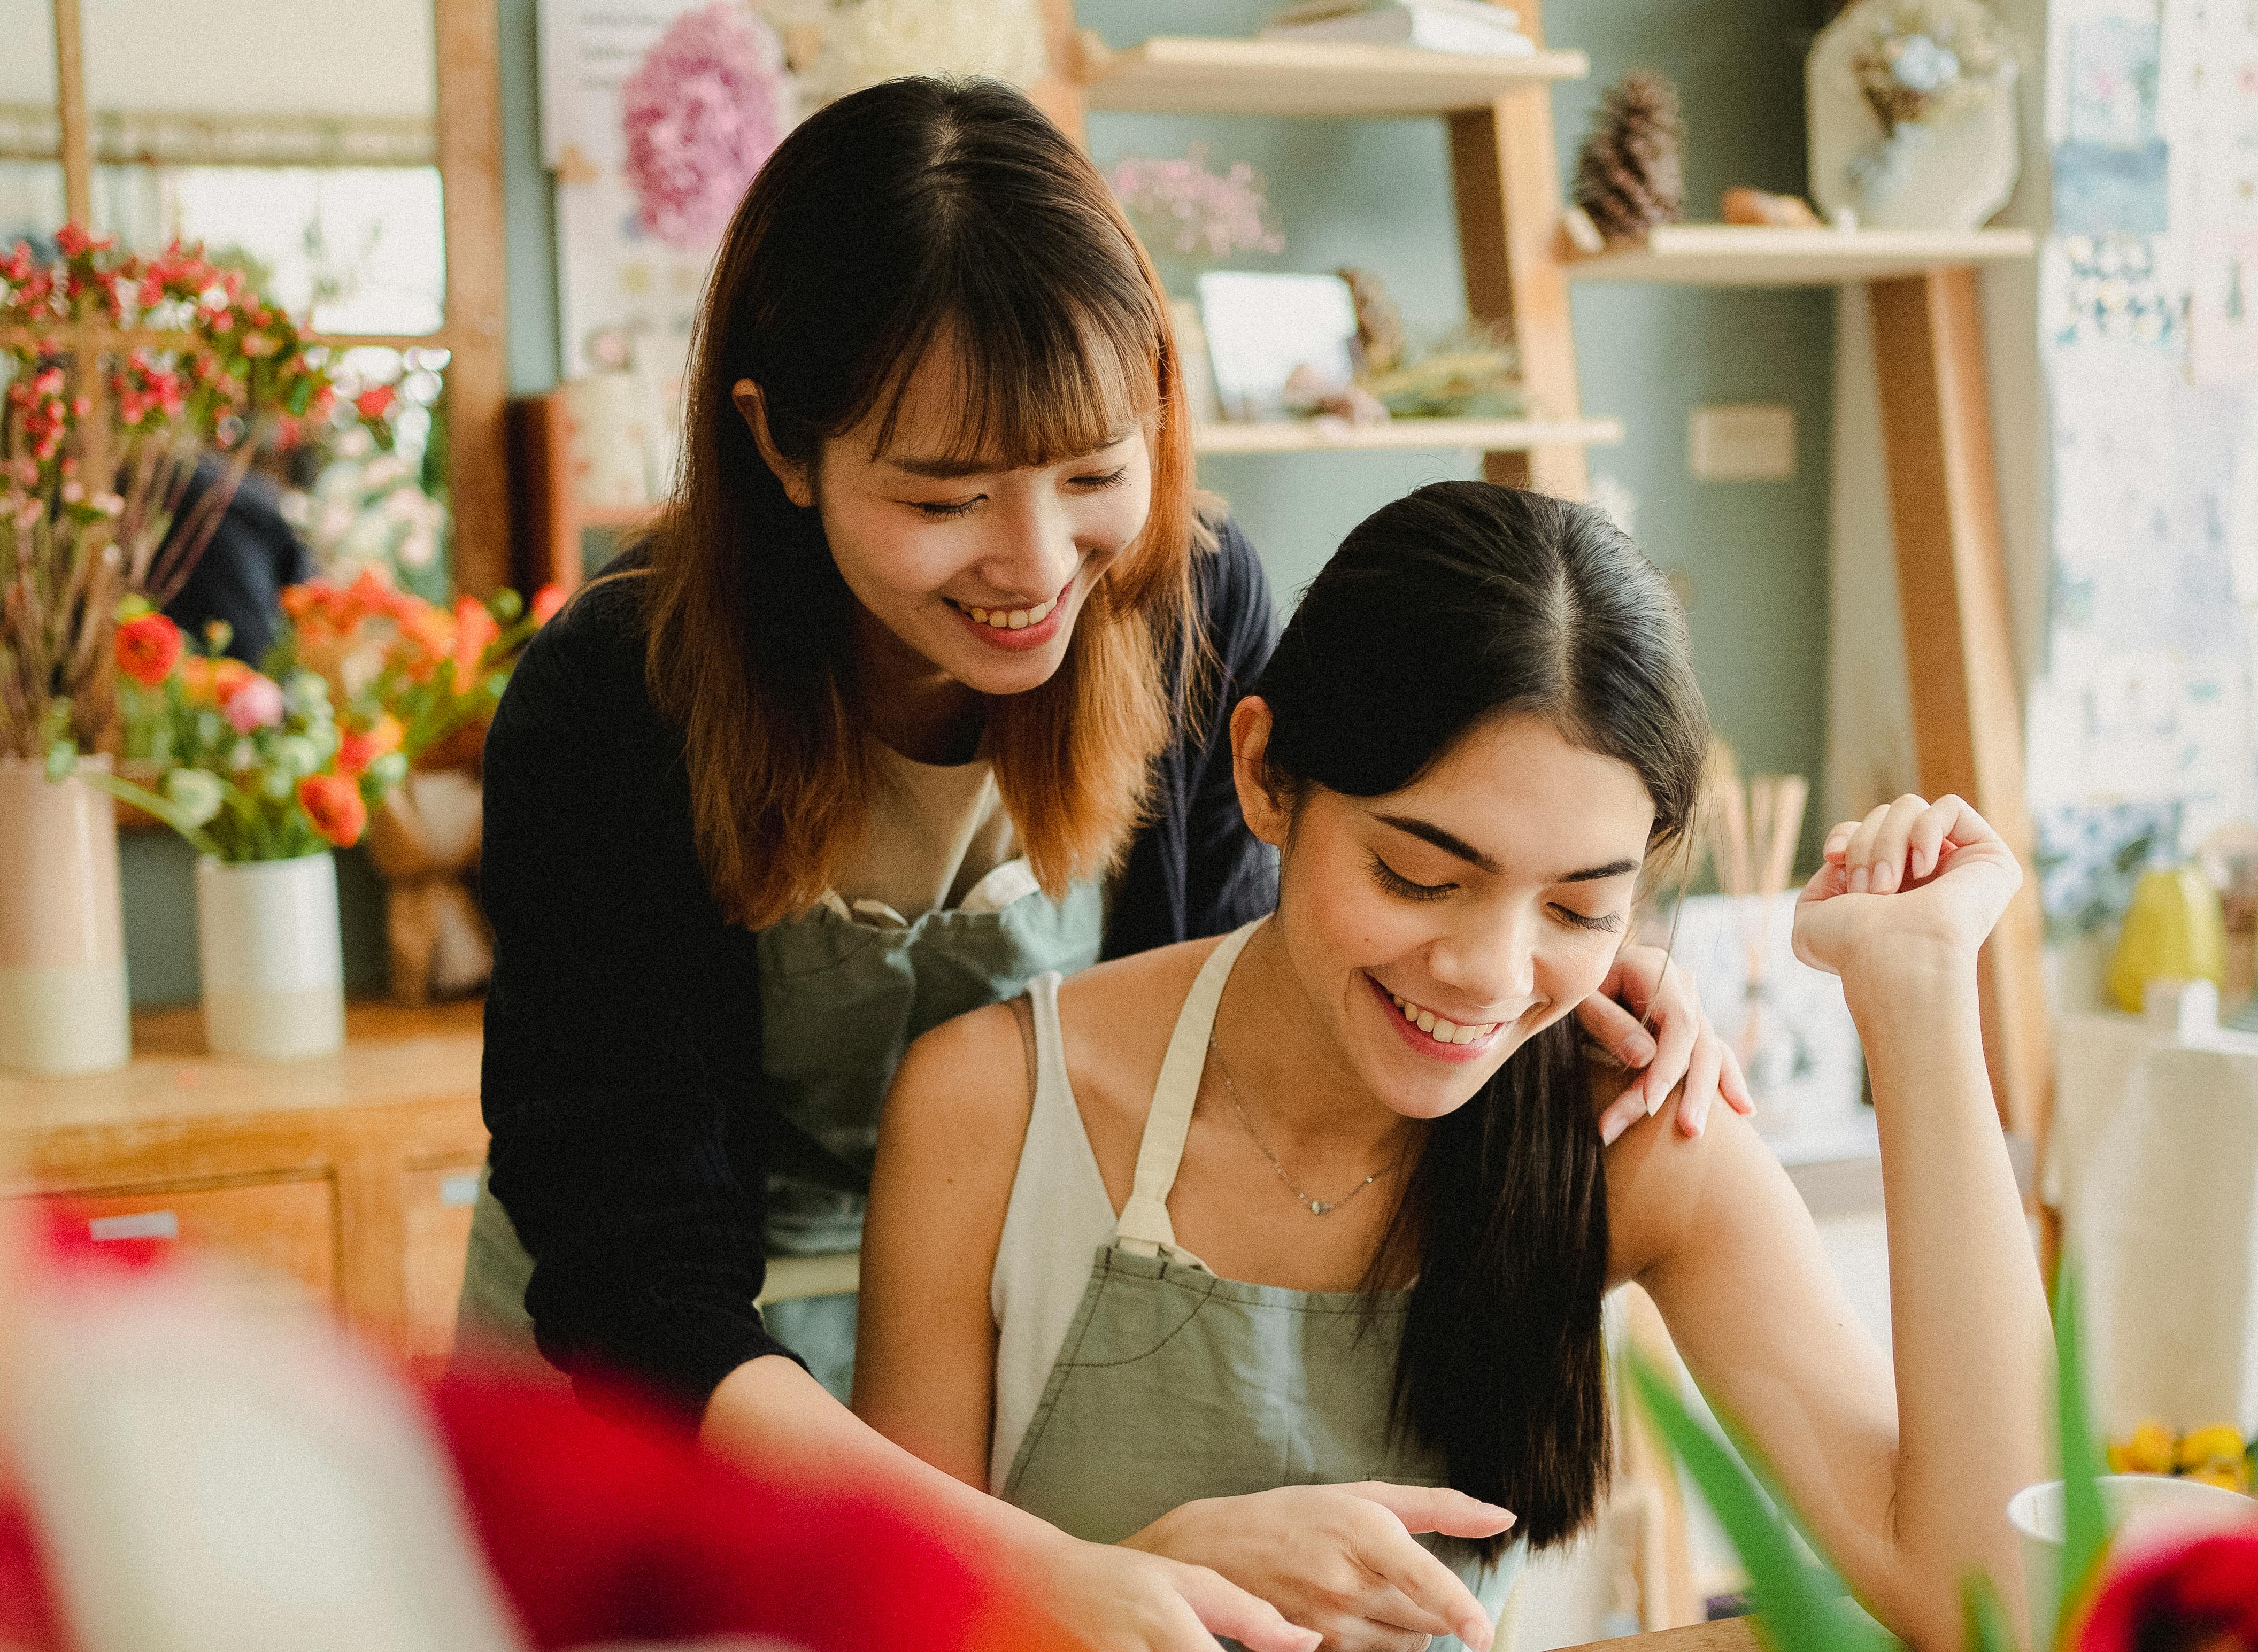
pixel 919 688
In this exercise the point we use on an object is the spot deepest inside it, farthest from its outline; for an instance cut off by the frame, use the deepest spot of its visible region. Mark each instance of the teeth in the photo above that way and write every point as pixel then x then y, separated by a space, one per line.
pixel 1008 618
pixel 1437 1027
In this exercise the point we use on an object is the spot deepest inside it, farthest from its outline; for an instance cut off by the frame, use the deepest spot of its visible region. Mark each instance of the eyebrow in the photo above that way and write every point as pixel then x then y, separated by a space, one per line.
pixel 942 468
pixel 1451 843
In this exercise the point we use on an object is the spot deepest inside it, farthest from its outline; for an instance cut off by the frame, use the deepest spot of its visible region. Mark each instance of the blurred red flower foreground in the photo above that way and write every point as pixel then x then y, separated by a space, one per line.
pixel 2194 1595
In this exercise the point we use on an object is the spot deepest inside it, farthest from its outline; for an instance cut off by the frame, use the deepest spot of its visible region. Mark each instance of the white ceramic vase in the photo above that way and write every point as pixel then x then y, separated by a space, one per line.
pixel 274 968
pixel 62 937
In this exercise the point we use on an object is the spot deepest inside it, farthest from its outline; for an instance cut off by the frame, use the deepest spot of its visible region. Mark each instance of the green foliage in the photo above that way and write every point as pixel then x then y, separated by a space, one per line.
pixel 1801 1605
pixel 2085 1527
pixel 1983 1616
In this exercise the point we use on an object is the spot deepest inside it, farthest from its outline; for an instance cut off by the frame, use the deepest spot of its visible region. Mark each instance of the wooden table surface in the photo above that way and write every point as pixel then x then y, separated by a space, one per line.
pixel 1732 1634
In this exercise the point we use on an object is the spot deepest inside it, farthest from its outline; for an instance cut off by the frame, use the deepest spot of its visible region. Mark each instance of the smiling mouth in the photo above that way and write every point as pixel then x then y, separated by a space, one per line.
pixel 1441 1029
pixel 1010 619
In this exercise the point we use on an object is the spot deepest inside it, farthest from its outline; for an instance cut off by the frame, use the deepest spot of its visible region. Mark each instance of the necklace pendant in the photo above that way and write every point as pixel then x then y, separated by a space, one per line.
pixel 1318 1207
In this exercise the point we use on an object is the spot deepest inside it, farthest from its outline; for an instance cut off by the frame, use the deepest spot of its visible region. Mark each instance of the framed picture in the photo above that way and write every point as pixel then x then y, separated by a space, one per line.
pixel 1262 329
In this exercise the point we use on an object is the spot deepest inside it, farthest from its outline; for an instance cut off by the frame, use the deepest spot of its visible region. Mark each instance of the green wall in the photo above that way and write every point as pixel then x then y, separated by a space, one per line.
pixel 1750 556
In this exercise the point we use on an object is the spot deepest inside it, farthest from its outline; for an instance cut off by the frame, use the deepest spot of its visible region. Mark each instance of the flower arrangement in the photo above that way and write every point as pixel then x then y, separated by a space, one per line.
pixel 247 766
pixel 376 501
pixel 120 373
pixel 1188 217
pixel 708 105
pixel 272 764
pixel 2199 1593
pixel 1924 61
pixel 2215 1454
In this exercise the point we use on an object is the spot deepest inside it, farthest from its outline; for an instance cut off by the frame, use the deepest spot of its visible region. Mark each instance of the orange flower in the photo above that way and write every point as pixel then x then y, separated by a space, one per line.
pixel 356 751
pixel 148 647
pixel 334 805
pixel 475 631
pixel 546 601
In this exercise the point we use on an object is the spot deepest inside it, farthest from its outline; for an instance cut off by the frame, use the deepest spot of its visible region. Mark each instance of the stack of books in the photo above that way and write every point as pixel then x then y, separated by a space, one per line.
pixel 1471 27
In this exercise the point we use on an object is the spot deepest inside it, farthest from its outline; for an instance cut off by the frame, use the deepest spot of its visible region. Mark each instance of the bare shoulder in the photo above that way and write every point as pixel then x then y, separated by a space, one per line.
pixel 1117 1020
pixel 1664 1188
pixel 960 1099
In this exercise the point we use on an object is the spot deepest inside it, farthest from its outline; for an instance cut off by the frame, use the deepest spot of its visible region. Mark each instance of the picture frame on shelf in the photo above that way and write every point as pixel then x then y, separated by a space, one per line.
pixel 1262 329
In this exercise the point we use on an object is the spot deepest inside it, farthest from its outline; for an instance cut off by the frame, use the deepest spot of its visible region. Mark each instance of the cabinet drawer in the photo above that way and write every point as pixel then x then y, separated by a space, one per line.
pixel 437 1202
pixel 288 1228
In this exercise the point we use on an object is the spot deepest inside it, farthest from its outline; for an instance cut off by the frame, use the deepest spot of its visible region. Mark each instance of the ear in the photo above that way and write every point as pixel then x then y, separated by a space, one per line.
pixel 1267 816
pixel 799 480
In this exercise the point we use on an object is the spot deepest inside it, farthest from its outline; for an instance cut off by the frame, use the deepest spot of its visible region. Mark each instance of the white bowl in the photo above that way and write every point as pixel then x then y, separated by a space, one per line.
pixel 2139 1507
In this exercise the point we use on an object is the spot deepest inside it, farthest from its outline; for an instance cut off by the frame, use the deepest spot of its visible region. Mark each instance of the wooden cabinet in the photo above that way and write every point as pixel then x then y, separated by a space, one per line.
pixel 348 1178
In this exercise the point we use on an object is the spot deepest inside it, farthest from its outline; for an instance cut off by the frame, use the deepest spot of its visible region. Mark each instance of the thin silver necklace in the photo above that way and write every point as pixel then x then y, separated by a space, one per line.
pixel 1315 1206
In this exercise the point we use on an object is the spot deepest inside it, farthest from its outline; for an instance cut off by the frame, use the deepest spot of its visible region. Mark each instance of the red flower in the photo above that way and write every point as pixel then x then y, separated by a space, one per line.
pixel 375 402
pixel 2185 1596
pixel 356 752
pixel 333 803
pixel 147 648
pixel 546 601
pixel 474 630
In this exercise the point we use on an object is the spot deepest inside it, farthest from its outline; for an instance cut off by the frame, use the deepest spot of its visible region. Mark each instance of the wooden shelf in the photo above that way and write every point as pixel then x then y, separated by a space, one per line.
pixel 1747 255
pixel 1318 435
pixel 1195 76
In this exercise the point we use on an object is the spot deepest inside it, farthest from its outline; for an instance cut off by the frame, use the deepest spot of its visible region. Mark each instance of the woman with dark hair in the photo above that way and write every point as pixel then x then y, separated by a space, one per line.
pixel 918 689
pixel 1349 1219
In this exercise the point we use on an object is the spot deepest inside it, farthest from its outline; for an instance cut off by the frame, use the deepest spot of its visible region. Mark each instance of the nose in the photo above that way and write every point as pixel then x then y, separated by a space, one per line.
pixel 1490 959
pixel 1034 553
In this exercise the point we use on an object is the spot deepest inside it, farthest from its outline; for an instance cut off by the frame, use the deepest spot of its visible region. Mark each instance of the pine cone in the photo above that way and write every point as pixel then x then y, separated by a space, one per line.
pixel 1631 172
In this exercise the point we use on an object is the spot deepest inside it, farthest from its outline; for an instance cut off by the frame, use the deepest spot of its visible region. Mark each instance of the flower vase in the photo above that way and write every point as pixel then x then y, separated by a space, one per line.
pixel 273 968
pixel 63 1006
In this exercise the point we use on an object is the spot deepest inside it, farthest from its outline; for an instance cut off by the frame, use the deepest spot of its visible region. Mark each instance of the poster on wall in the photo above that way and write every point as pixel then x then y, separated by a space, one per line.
pixel 655 114
pixel 2143 734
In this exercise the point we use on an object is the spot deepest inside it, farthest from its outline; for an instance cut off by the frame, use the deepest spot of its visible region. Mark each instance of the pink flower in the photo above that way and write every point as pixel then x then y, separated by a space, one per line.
pixel 703 111
pixel 255 703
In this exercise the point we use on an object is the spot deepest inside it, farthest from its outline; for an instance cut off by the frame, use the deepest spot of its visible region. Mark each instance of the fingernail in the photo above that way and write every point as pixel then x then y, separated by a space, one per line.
pixel 1612 1126
pixel 1701 1118
pixel 1859 881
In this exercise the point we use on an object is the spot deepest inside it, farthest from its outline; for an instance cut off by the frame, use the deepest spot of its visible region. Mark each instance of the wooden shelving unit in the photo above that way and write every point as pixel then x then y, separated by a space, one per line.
pixel 1742 255
pixel 1197 76
pixel 1320 435
pixel 550 520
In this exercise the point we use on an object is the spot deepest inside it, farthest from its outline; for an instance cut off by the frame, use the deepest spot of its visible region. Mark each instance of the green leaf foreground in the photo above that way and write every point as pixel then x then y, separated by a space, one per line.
pixel 1801 1605
pixel 2084 1523
pixel 1984 1616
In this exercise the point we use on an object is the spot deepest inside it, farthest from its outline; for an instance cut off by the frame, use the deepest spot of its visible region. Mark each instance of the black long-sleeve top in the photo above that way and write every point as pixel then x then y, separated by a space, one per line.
pixel 622 1082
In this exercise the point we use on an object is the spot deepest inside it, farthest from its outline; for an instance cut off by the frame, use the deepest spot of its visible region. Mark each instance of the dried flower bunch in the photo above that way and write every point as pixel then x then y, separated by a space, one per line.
pixel 708 104
pixel 1631 171
pixel 1188 216
pixel 1926 61
pixel 121 373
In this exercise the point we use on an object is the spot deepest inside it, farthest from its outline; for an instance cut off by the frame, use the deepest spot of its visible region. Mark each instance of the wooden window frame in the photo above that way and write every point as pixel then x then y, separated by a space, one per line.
pixel 467 36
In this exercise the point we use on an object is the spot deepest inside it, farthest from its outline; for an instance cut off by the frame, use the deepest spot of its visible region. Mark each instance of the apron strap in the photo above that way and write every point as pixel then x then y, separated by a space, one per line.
pixel 1145 1228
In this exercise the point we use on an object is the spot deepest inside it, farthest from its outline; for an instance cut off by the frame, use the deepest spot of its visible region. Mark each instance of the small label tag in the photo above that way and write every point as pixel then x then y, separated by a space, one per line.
pixel 142 1224
pixel 460 1189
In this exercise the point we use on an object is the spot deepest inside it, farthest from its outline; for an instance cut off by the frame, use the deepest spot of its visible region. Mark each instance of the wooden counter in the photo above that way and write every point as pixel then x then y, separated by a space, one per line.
pixel 352 1174
pixel 1732 1634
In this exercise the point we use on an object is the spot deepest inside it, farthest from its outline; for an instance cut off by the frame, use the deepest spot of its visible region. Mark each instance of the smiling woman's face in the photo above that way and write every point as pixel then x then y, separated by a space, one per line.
pixel 981 572
pixel 1433 931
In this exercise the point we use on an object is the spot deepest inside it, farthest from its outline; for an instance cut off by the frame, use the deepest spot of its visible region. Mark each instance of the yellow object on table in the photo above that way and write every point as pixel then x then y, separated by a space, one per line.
pixel 2216 1455
pixel 2175 930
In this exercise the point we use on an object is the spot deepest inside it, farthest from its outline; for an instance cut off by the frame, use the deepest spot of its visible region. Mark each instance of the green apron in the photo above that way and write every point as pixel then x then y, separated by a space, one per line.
pixel 1173 1384
pixel 840 999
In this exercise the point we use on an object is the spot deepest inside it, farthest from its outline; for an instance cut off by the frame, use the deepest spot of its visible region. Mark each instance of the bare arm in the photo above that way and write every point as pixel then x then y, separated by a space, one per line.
pixel 1903 1474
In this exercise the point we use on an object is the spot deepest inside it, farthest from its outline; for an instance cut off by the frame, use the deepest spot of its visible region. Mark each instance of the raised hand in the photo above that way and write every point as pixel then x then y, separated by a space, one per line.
pixel 1913 878
pixel 1682 1045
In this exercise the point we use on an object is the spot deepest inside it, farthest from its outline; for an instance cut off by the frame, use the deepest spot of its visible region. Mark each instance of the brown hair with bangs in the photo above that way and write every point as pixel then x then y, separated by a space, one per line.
pixel 920 213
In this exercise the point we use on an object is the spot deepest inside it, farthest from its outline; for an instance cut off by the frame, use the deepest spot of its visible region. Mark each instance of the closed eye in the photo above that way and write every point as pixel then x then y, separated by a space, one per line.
pixel 1396 884
pixel 1110 478
pixel 944 511
pixel 1609 921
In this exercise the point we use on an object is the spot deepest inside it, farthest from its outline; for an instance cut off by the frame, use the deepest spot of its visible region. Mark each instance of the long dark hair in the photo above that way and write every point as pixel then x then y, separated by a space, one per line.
pixel 1462 603
pixel 917 212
